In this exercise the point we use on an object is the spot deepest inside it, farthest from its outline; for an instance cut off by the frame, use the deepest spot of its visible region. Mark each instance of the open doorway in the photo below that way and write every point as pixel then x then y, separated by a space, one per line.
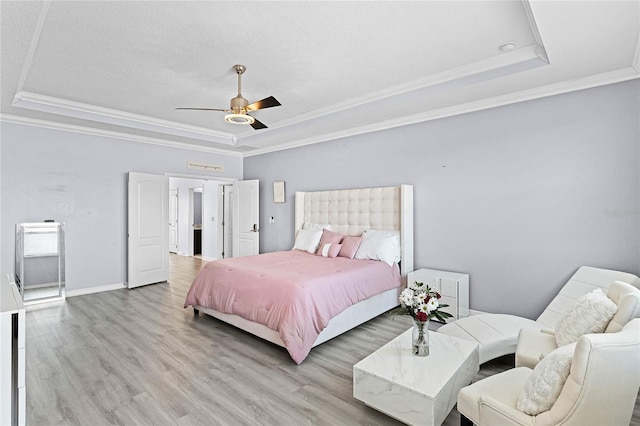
pixel 151 207
pixel 173 220
pixel 199 220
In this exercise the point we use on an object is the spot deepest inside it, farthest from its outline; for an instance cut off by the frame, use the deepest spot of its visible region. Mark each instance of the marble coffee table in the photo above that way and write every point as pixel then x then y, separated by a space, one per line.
pixel 416 390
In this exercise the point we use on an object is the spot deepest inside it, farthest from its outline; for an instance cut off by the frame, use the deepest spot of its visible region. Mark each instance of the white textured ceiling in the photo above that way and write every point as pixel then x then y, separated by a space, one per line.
pixel 338 68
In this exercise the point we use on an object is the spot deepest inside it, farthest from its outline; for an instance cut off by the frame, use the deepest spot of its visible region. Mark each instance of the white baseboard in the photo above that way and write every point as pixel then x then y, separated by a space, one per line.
pixel 474 312
pixel 99 289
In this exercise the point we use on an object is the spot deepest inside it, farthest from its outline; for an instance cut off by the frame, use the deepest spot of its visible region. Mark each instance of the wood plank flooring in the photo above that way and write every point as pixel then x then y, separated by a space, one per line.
pixel 136 357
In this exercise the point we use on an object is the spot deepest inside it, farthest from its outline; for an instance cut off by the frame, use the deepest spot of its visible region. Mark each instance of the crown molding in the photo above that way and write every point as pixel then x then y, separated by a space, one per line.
pixel 549 90
pixel 625 74
pixel 526 5
pixel 33 45
pixel 54 125
pixel 67 108
pixel 511 98
pixel 515 61
pixel 522 59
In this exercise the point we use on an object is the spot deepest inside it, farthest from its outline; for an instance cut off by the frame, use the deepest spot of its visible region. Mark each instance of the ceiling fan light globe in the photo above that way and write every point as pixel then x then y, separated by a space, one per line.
pixel 239 119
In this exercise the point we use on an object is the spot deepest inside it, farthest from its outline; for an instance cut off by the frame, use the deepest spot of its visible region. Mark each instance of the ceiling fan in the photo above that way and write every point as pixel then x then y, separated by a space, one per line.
pixel 237 112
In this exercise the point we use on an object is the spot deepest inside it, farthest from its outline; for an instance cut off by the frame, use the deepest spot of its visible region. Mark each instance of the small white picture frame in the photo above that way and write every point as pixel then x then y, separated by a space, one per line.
pixel 278 191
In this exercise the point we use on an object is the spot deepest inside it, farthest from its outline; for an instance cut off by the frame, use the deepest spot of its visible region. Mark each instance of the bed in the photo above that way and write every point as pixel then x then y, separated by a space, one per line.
pixel 347 212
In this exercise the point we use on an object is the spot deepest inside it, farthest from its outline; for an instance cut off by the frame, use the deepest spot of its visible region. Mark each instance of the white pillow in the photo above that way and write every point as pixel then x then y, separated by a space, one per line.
pixel 591 313
pixel 315 226
pixel 380 245
pixel 308 240
pixel 627 297
pixel 542 388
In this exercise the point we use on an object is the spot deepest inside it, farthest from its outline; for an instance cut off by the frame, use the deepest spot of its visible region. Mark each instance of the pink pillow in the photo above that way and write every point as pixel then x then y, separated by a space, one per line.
pixel 330 250
pixel 328 237
pixel 350 246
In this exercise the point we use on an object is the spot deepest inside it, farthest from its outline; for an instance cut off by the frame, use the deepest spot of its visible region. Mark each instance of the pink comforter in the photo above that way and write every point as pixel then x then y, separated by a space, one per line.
pixel 293 292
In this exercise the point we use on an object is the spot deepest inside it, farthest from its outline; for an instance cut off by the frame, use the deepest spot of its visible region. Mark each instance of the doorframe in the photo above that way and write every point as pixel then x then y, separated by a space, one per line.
pixel 190 224
pixel 192 212
pixel 222 181
pixel 177 217
pixel 223 221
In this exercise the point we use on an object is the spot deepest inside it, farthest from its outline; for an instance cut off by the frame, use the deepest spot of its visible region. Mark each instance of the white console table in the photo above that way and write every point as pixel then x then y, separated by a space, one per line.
pixel 453 286
pixel 12 355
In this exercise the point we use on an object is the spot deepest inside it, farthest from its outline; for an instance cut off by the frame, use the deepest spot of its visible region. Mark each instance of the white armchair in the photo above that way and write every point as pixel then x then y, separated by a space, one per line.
pixel 601 388
pixel 497 334
pixel 534 344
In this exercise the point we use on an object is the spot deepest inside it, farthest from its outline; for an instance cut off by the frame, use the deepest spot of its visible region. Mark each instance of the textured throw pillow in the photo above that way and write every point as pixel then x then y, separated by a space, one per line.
pixel 307 240
pixel 330 250
pixel 628 308
pixel 627 297
pixel 542 388
pixel 380 245
pixel 589 314
pixel 350 246
pixel 328 237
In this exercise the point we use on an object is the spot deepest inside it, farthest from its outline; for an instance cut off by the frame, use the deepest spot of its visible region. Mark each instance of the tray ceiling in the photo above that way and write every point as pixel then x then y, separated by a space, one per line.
pixel 338 68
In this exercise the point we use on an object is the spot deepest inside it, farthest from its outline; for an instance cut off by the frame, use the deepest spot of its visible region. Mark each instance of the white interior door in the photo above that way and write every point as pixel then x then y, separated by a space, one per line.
pixel 228 221
pixel 173 220
pixel 225 237
pixel 148 233
pixel 246 214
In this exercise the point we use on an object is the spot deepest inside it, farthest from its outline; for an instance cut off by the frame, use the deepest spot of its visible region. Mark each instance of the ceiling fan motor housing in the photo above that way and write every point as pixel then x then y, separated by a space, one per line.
pixel 239 104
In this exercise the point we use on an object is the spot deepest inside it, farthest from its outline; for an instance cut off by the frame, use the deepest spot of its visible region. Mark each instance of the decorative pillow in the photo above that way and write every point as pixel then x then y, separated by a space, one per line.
pixel 628 308
pixel 328 237
pixel 542 388
pixel 591 313
pixel 330 249
pixel 350 245
pixel 380 245
pixel 627 297
pixel 307 240
pixel 315 226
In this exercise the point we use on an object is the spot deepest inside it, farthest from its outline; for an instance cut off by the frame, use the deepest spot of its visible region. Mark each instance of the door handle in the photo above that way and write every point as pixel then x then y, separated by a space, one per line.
pixel 255 227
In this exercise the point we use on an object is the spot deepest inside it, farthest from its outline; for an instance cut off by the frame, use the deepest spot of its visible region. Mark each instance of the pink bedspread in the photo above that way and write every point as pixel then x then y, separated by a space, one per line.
pixel 293 292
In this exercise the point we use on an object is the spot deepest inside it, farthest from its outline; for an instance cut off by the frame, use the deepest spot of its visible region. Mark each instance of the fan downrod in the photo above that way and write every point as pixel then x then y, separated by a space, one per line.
pixel 240 69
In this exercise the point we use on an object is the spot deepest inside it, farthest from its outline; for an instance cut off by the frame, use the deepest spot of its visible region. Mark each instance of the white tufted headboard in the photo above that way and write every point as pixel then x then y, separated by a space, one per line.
pixel 352 211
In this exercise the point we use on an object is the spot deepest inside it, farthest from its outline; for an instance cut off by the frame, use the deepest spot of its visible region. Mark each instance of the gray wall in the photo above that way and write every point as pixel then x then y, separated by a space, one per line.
pixel 82 180
pixel 518 196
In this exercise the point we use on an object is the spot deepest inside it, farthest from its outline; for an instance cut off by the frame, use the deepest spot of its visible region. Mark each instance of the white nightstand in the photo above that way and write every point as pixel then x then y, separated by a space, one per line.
pixel 453 286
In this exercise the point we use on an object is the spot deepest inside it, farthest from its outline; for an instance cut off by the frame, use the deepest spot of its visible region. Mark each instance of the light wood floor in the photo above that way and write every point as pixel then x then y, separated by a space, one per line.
pixel 136 357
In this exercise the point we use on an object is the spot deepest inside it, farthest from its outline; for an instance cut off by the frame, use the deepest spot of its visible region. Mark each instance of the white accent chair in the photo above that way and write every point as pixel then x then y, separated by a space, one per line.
pixel 533 345
pixel 601 388
pixel 497 334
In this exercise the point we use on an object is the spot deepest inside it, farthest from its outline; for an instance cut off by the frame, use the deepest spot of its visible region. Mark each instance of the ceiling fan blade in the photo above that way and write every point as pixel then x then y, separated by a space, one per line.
pixel 257 125
pixel 206 109
pixel 264 103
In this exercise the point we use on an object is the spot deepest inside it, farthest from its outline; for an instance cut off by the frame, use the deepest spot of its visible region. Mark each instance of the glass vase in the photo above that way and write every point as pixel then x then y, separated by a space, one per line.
pixel 420 337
